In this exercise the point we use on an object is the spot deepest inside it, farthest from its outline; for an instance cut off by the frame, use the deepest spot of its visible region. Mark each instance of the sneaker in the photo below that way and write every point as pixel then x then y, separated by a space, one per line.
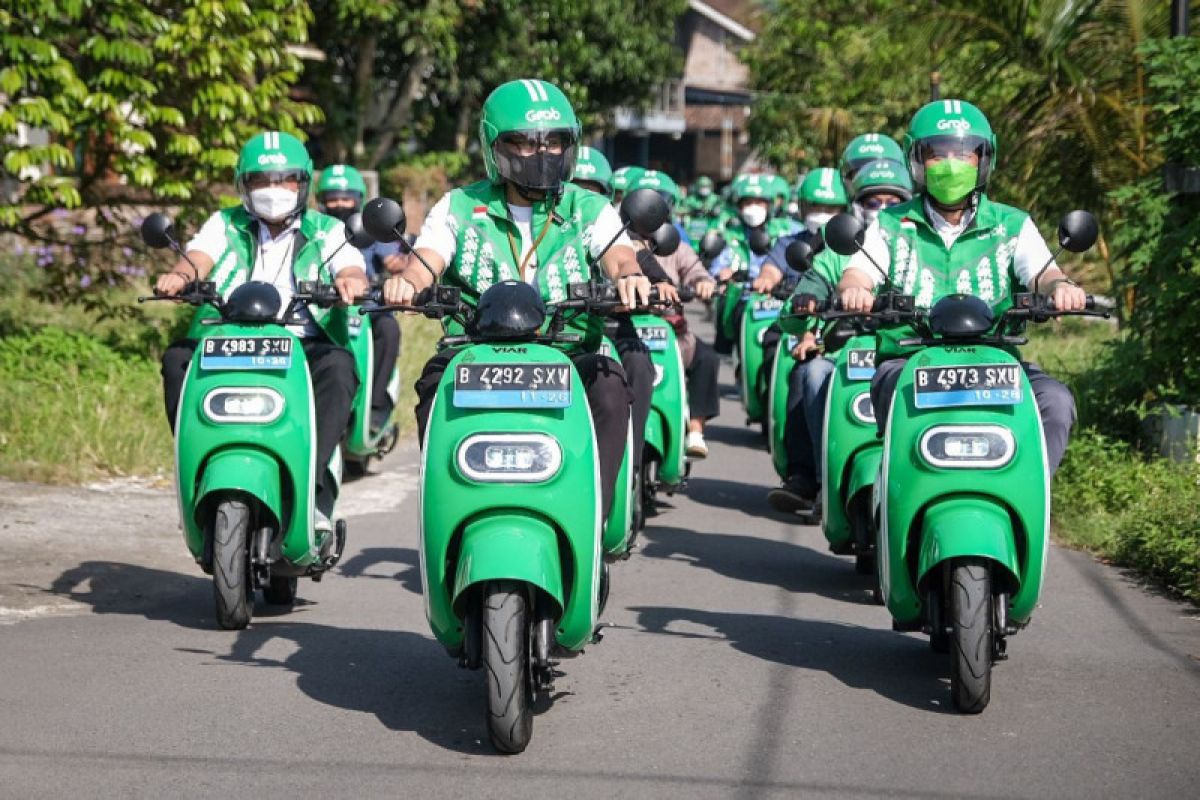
pixel 791 498
pixel 696 447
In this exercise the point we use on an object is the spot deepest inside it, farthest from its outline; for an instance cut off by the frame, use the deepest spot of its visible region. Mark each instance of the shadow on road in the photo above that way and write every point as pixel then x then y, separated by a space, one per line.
pixel 900 668
pixel 111 587
pixel 748 436
pixel 357 566
pixel 727 495
pixel 406 680
pixel 792 567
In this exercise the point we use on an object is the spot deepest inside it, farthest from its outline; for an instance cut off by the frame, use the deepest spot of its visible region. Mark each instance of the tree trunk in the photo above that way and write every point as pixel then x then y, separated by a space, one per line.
pixel 364 71
pixel 401 112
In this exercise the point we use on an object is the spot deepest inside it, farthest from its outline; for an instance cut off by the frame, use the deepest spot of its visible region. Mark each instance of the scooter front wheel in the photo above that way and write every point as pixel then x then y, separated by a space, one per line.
pixel 280 591
pixel 232 587
pixel 506 641
pixel 971 646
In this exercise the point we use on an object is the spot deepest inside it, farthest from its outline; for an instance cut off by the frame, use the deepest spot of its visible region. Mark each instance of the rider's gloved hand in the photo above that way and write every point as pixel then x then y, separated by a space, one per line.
pixel 804 303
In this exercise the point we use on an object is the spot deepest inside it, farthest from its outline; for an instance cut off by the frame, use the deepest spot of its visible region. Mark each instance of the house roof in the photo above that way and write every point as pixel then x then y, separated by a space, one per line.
pixel 729 14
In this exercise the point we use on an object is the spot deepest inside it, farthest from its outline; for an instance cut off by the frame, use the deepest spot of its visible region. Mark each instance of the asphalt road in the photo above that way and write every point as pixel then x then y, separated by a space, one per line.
pixel 741 660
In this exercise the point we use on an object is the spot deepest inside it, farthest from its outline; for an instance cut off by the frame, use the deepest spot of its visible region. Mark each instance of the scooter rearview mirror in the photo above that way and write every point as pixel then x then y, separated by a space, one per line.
pixel 356 234
pixel 712 244
pixel 158 231
pixel 1078 231
pixel 844 234
pixel 799 256
pixel 383 218
pixel 759 241
pixel 665 240
pixel 644 211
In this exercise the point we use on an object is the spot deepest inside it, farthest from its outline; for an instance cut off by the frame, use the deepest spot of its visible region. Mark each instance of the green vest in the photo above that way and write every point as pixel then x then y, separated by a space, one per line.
pixel 233 267
pixel 980 262
pixel 484 252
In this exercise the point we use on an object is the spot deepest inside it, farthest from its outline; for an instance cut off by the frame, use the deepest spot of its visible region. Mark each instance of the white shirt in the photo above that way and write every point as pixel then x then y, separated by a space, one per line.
pixel 440 236
pixel 273 260
pixel 1029 256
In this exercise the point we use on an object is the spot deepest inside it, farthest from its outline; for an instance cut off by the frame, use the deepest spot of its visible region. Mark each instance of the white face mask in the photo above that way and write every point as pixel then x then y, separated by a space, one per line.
pixel 814 221
pixel 793 208
pixel 868 215
pixel 754 215
pixel 273 203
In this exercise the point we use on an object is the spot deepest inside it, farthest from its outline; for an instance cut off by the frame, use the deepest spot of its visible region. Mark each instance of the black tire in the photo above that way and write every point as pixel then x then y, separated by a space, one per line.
pixel 506 642
pixel 971 619
pixel 232 587
pixel 355 468
pixel 281 590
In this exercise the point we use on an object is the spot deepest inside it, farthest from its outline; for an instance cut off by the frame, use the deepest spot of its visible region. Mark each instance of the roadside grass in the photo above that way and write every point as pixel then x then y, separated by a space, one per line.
pixel 80 392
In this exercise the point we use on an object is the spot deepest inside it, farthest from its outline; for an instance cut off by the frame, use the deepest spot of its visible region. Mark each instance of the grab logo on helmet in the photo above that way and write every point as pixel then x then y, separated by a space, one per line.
pixel 957 124
pixel 278 159
pixel 871 148
pixel 543 115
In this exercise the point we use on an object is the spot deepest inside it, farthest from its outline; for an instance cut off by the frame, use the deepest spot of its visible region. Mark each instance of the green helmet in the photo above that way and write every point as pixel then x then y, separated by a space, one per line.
pixel 702 187
pixel 593 166
pixel 779 188
pixel 823 187
pixel 867 148
pixel 341 181
pixel 745 186
pixel 660 182
pixel 883 175
pixel 279 155
pixel 950 127
pixel 522 121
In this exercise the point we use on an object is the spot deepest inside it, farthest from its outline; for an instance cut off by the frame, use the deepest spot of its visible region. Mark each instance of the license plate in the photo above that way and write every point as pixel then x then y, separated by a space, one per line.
pixel 766 308
pixel 655 338
pixel 246 352
pixel 860 365
pixel 512 385
pixel 978 385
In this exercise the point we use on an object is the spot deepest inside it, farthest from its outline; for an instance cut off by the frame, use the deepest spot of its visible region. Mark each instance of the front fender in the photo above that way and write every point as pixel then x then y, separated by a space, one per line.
pixel 514 547
pixel 245 471
pixel 968 526
pixel 863 470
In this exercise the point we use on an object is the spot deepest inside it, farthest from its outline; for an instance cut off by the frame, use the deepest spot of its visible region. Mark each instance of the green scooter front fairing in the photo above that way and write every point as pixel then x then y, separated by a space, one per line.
pixel 761 312
pixel 777 402
pixel 851 454
pixel 664 460
pixel 362 444
pixel 245 442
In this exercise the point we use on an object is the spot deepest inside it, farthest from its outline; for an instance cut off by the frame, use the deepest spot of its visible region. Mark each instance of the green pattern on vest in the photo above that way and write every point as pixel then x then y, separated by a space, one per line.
pixel 737 239
pixel 484 252
pixel 980 262
pixel 233 267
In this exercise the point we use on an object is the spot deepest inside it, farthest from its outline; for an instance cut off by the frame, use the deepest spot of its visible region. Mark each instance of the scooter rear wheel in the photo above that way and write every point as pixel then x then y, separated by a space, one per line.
pixel 506 657
pixel 971 649
pixel 233 590
pixel 281 591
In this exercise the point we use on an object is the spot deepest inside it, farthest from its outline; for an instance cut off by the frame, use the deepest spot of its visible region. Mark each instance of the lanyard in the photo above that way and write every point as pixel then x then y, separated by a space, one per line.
pixel 512 245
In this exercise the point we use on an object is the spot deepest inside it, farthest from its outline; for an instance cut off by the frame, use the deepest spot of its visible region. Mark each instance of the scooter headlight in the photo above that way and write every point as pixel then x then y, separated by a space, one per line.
pixel 968 446
pixel 243 404
pixel 509 458
pixel 862 409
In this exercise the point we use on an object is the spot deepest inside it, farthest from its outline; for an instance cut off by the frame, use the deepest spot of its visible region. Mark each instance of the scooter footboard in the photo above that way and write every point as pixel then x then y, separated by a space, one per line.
pixel 968 527
pixel 524 548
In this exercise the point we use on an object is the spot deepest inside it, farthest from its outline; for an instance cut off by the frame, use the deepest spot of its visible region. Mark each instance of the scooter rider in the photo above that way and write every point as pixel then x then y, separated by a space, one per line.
pixel 273 237
pixel 684 269
pixel 951 238
pixel 341 192
pixel 593 172
pixel 878 184
pixel 526 219
pixel 866 148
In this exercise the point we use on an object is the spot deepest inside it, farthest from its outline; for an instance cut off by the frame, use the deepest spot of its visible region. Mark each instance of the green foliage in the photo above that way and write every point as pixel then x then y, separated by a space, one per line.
pixel 397 72
pixel 1158 235
pixel 144 102
pixel 834 70
pixel 1143 514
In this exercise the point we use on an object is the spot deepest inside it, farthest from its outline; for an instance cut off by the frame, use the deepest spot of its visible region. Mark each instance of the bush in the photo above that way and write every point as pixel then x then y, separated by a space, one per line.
pixel 1139 513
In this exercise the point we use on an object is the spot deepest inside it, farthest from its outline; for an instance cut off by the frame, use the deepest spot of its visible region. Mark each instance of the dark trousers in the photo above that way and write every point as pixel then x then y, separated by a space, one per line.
pixel 639 374
pixel 608 397
pixel 334 382
pixel 808 383
pixel 704 400
pixel 1055 404
pixel 385 336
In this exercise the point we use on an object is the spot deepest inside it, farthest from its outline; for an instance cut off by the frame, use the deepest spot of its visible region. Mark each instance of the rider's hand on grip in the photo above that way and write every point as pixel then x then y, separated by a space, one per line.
pixel 634 290
pixel 398 291
pixel 1068 297
pixel 804 303
pixel 857 300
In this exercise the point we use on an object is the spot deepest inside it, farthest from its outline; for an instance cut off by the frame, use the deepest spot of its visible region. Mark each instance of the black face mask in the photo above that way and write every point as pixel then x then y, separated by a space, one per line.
pixel 542 172
pixel 341 213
